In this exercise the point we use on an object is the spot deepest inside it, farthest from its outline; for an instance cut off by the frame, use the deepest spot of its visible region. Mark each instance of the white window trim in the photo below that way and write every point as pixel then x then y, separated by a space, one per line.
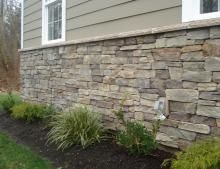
pixel 191 11
pixel 45 40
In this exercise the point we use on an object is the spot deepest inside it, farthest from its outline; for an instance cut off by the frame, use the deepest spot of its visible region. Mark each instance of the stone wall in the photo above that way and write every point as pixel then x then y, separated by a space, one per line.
pixel 182 66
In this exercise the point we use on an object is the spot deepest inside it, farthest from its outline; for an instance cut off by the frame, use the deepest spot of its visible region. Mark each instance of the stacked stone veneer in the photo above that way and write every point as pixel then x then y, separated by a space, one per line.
pixel 181 66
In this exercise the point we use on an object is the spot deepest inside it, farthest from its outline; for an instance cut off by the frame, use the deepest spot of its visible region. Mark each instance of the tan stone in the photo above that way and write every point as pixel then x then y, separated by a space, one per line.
pixel 207 86
pixel 191 48
pixel 139 116
pixel 218 122
pixel 212 47
pixel 148 103
pixel 166 54
pixel 182 95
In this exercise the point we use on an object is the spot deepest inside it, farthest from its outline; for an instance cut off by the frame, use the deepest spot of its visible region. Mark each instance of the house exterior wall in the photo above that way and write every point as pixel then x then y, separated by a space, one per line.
pixel 89 18
pixel 181 66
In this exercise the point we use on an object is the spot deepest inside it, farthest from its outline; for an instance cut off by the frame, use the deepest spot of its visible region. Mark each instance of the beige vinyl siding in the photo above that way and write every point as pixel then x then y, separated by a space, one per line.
pixel 89 18
pixel 127 24
pixel 32 23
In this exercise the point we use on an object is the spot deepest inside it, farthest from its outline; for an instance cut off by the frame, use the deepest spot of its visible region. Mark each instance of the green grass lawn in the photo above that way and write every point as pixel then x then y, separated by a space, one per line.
pixel 14 156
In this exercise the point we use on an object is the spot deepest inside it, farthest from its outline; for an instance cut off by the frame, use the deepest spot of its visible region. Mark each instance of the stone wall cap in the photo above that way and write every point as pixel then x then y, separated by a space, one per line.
pixel 163 29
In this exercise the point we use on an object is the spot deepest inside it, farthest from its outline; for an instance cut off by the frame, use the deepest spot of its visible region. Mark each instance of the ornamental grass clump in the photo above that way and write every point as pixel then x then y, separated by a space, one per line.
pixel 200 155
pixel 30 112
pixel 8 100
pixel 78 126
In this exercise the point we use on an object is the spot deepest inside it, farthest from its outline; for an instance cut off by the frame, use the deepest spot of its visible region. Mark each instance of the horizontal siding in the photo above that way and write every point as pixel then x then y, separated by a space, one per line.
pixel 33 8
pixel 32 34
pixel 32 42
pixel 89 18
pixel 123 10
pixel 71 3
pixel 142 21
pixel 29 3
pixel 34 16
pixel 92 6
pixel 32 23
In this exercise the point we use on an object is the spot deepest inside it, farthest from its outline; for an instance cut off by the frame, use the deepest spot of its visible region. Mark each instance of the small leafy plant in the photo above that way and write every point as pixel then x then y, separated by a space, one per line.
pixel 135 137
pixel 31 112
pixel 78 126
pixel 200 155
pixel 8 100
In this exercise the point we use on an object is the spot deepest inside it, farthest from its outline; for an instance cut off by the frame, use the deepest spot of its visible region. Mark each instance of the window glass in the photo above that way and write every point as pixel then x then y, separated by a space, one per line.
pixel 208 6
pixel 55 20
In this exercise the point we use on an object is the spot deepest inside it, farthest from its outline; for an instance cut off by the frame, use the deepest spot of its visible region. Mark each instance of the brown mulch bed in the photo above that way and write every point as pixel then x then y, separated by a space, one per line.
pixel 105 155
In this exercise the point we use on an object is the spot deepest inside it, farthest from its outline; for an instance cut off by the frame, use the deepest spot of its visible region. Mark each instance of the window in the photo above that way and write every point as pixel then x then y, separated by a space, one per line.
pixel 53 21
pixel 209 6
pixel 200 9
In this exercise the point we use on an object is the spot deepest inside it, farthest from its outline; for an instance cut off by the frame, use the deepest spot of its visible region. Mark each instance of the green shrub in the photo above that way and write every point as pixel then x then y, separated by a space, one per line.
pixel 136 138
pixel 200 155
pixel 8 100
pixel 30 112
pixel 78 126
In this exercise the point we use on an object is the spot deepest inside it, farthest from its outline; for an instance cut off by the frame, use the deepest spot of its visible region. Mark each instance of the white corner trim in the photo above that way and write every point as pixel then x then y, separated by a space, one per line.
pixel 191 11
pixel 44 34
pixel 22 24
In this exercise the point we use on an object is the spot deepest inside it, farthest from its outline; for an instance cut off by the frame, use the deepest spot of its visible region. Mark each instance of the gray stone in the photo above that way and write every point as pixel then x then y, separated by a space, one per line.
pixel 179 116
pixel 202 76
pixel 212 64
pixel 189 108
pixel 176 41
pixel 198 34
pixel 147 46
pixel 132 47
pixel 149 96
pixel 203 120
pixel 162 74
pixel 121 82
pixel 174 34
pixel 139 53
pixel 190 85
pixel 159 65
pixel 192 56
pixel 161 43
pixel 173 84
pixel 198 128
pixel 194 66
pixel 215 32
pixel 146 39
pixel 114 42
pixel 182 95
pixel 210 95
pixel 216 76
pixel 131 41
pixel 140 83
pixel 176 73
pixel 207 103
pixel 208 111
pixel 178 133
